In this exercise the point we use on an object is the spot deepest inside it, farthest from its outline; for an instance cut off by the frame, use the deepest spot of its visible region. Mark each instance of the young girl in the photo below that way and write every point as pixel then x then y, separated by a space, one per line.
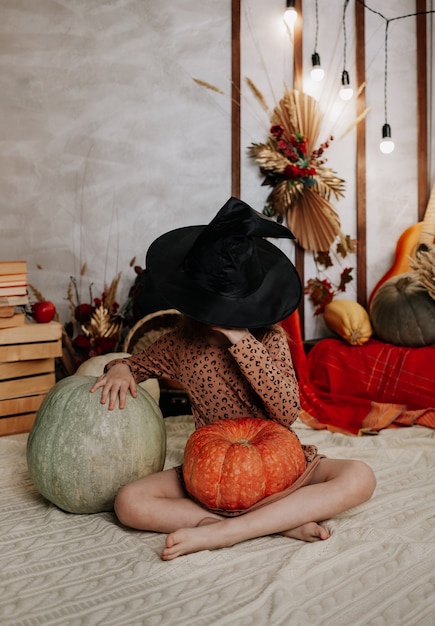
pixel 233 286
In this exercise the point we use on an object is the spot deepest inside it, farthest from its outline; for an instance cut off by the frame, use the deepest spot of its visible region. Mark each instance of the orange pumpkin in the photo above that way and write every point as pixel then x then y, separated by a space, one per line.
pixel 232 464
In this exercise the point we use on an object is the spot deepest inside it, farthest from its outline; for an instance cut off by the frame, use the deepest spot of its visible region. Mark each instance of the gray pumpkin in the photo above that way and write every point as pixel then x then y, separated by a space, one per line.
pixel 403 313
pixel 79 453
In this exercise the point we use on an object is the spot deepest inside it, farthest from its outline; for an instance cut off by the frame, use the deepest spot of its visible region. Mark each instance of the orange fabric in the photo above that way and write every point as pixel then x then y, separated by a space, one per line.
pixel 359 390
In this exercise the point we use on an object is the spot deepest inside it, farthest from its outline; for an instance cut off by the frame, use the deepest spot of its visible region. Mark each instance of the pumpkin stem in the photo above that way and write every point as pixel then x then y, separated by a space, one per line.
pixel 402 283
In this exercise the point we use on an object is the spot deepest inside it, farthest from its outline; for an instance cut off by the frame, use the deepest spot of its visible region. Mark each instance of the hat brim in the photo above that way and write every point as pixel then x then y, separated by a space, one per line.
pixel 276 298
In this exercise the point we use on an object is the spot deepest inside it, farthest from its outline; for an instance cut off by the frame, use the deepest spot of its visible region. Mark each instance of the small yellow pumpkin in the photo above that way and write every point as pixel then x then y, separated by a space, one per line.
pixel 349 320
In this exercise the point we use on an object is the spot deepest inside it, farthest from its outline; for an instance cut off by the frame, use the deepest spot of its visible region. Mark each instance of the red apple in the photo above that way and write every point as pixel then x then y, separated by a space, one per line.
pixel 43 312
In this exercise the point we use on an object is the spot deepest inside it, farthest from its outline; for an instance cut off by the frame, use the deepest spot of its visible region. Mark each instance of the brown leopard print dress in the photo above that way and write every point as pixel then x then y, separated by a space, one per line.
pixel 251 378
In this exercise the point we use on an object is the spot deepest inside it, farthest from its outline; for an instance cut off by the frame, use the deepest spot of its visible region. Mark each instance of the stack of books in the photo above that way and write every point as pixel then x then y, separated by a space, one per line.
pixel 13 292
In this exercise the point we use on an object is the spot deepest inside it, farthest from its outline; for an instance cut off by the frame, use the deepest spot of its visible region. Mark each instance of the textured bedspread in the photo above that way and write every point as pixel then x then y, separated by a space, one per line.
pixel 378 567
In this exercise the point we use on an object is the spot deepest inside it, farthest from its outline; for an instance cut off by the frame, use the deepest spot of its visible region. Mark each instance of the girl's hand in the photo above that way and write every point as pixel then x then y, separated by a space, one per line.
pixel 116 383
pixel 232 334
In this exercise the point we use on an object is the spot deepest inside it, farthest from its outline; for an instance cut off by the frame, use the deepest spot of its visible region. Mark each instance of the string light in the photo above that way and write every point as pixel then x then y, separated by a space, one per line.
pixel 387 144
pixel 317 73
pixel 290 14
pixel 346 91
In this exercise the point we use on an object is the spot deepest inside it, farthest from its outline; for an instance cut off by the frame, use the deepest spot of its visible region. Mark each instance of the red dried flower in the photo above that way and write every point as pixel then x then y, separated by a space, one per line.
pixel 277 131
pixel 83 313
pixel 103 345
pixel 292 171
pixel 81 343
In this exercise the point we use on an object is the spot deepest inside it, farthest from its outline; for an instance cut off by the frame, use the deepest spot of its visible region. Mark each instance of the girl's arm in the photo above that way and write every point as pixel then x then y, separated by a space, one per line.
pixel 268 367
pixel 122 375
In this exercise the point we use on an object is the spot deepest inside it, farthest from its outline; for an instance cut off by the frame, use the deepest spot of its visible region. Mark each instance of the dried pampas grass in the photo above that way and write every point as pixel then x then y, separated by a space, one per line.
pixel 424 266
pixel 203 83
pixel 257 93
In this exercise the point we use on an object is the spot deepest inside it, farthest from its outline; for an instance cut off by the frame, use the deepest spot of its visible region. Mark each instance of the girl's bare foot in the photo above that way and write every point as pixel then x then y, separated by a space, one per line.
pixel 202 537
pixel 189 540
pixel 307 532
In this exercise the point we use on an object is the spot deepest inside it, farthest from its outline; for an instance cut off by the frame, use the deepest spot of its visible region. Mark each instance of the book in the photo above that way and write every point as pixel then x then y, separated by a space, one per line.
pixel 20 290
pixel 13 283
pixel 13 279
pixel 11 322
pixel 13 267
pixel 6 311
pixel 14 300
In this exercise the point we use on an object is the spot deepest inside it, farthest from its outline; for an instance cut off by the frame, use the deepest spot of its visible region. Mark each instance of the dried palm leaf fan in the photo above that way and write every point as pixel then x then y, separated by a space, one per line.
pixel 310 216
pixel 305 203
pixel 298 112
pixel 313 221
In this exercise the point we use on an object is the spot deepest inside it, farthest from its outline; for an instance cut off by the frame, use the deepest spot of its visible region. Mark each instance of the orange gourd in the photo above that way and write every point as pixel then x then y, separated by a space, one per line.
pixel 232 464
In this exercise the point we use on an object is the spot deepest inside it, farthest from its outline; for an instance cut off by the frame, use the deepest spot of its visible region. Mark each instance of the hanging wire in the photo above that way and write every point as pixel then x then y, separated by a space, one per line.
pixel 346 2
pixel 398 17
pixel 386 68
pixel 248 16
pixel 387 23
pixel 317 27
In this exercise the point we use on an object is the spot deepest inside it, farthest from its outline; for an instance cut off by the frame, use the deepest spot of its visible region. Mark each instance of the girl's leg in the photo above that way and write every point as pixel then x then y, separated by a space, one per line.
pixel 337 485
pixel 158 503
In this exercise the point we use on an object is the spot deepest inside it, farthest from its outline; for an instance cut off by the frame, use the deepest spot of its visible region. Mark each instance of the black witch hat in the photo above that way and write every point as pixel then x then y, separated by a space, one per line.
pixel 226 273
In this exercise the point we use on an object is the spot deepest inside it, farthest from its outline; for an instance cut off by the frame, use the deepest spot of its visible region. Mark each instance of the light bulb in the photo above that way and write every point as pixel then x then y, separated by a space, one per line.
pixel 346 91
pixel 317 73
pixel 387 144
pixel 290 15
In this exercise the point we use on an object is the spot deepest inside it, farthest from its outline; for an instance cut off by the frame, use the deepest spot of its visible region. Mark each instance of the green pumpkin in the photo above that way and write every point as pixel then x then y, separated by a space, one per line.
pixel 79 453
pixel 403 313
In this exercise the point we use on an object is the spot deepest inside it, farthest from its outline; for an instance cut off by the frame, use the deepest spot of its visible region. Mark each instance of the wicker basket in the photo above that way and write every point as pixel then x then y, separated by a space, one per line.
pixel 150 328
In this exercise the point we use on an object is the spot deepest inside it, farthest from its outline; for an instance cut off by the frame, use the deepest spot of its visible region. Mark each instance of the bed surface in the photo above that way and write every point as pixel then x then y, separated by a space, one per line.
pixel 378 567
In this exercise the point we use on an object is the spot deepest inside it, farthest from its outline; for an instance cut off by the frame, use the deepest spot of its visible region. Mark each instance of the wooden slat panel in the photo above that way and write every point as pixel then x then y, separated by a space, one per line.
pixel 21 387
pixel 18 369
pixel 235 98
pixel 298 84
pixel 30 351
pixel 422 111
pixel 297 50
pixel 16 425
pixel 31 333
pixel 361 221
pixel 20 406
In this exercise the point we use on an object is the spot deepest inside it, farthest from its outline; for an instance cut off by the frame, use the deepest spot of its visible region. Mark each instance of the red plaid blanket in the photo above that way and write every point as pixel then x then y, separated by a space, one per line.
pixel 358 390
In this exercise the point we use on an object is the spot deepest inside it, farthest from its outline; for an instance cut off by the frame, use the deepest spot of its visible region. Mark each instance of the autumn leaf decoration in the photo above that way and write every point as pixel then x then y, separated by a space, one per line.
pixel 301 183
pixel 321 291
